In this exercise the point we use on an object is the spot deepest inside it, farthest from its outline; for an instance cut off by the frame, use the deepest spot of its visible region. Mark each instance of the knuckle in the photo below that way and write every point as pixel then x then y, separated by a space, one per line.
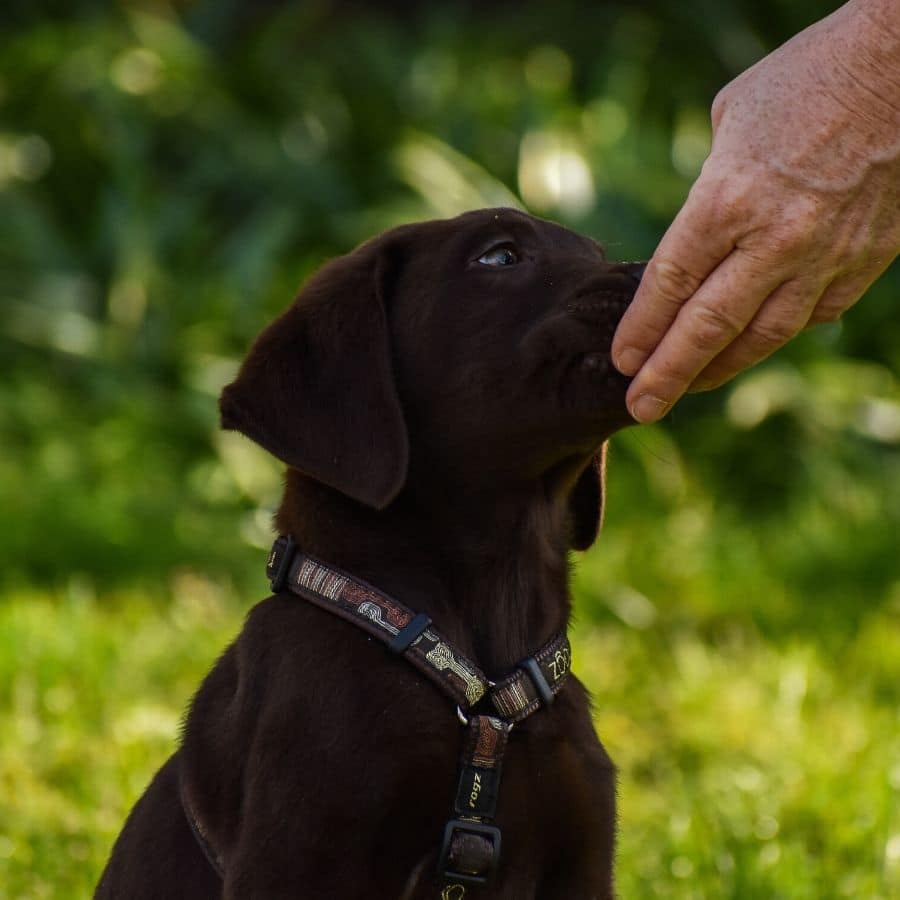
pixel 770 332
pixel 806 224
pixel 674 282
pixel 787 242
pixel 668 377
pixel 846 253
pixel 850 251
pixel 717 109
pixel 729 197
pixel 837 300
pixel 712 327
pixel 759 258
pixel 720 103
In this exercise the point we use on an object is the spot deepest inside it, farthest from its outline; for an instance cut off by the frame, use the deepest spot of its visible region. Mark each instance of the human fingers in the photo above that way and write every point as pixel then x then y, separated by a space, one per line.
pixel 714 317
pixel 841 294
pixel 694 244
pixel 784 313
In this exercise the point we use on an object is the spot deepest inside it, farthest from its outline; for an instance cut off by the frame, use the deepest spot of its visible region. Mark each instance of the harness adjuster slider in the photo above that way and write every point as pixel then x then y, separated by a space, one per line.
pixel 476 829
pixel 280 559
pixel 409 633
pixel 531 668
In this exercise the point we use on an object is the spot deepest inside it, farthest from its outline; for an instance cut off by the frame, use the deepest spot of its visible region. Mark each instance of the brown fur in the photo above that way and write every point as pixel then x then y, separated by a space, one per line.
pixel 444 442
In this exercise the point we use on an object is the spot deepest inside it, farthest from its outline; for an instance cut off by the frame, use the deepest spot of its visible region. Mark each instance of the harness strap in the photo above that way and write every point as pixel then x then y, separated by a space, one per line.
pixel 536 681
pixel 471 848
pixel 379 615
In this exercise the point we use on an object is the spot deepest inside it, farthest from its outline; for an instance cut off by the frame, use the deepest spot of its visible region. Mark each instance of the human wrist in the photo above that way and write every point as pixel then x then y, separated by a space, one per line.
pixel 873 32
pixel 860 72
pixel 885 14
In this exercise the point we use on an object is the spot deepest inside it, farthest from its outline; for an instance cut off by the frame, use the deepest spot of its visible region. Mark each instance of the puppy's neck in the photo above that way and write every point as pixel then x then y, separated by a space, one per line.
pixel 489 567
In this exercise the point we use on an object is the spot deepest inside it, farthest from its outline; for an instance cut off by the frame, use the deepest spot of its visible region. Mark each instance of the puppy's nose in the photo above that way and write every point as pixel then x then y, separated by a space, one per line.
pixel 632 270
pixel 635 270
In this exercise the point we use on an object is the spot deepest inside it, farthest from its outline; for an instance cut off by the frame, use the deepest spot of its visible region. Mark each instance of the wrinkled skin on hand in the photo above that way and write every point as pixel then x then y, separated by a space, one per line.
pixel 795 213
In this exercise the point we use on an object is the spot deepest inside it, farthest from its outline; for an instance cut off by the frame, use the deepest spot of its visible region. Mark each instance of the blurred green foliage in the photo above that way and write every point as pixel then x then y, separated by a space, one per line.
pixel 169 174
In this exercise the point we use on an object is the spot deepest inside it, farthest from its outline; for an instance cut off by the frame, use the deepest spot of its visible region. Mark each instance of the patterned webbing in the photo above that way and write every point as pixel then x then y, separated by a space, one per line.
pixel 515 697
pixel 471 849
pixel 481 762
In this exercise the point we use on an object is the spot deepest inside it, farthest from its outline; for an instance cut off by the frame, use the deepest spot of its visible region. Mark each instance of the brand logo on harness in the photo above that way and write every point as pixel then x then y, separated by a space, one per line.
pixel 559 665
pixel 476 790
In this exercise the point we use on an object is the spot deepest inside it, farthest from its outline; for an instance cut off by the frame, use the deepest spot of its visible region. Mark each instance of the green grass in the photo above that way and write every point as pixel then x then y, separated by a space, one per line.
pixel 92 695
pixel 750 767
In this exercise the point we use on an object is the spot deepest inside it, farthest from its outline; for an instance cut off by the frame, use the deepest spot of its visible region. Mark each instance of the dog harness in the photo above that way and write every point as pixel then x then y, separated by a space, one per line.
pixel 470 851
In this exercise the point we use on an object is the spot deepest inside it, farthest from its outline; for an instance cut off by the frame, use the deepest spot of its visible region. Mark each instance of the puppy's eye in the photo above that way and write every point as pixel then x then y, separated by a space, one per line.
pixel 503 255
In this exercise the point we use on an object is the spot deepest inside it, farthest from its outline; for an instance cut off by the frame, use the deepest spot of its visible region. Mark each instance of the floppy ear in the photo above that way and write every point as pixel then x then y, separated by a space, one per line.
pixel 317 388
pixel 586 502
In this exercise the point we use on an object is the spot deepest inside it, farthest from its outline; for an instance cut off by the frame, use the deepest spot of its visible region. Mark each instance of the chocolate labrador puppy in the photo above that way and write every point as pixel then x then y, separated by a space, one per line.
pixel 441 397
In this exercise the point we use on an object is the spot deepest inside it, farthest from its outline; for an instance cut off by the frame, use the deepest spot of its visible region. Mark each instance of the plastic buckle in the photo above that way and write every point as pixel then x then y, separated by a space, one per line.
pixel 286 547
pixel 491 832
pixel 409 634
pixel 533 670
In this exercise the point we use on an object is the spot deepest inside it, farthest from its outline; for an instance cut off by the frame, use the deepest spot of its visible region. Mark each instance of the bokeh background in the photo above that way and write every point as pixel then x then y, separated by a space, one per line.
pixel 171 172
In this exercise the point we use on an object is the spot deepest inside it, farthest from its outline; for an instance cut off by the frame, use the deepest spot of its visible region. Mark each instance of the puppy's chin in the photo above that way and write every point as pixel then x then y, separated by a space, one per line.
pixel 593 390
pixel 590 383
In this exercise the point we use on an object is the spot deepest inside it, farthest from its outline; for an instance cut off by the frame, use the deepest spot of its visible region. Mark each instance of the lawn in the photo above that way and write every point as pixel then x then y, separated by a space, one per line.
pixel 748 767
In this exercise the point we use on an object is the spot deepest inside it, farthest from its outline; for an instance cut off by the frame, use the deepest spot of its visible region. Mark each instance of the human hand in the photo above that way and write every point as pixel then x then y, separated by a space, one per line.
pixel 795 213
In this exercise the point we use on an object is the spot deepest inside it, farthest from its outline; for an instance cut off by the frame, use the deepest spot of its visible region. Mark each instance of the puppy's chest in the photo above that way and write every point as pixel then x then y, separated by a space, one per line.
pixel 402 747
pixel 548 778
pixel 554 804
pixel 552 772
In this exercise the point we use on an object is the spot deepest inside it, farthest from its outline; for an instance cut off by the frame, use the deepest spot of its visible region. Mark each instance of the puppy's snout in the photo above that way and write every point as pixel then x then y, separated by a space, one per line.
pixel 603 299
pixel 634 270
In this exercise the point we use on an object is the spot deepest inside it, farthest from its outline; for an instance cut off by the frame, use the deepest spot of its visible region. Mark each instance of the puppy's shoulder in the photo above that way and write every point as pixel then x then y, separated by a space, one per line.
pixel 275 630
pixel 277 623
pixel 289 643
pixel 286 629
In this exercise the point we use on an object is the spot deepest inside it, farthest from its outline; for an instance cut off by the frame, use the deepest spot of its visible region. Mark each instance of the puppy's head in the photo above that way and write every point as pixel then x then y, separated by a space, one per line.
pixel 475 347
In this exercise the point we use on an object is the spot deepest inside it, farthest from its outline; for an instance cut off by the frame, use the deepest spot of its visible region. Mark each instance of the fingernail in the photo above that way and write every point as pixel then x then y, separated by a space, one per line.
pixel 648 408
pixel 629 360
